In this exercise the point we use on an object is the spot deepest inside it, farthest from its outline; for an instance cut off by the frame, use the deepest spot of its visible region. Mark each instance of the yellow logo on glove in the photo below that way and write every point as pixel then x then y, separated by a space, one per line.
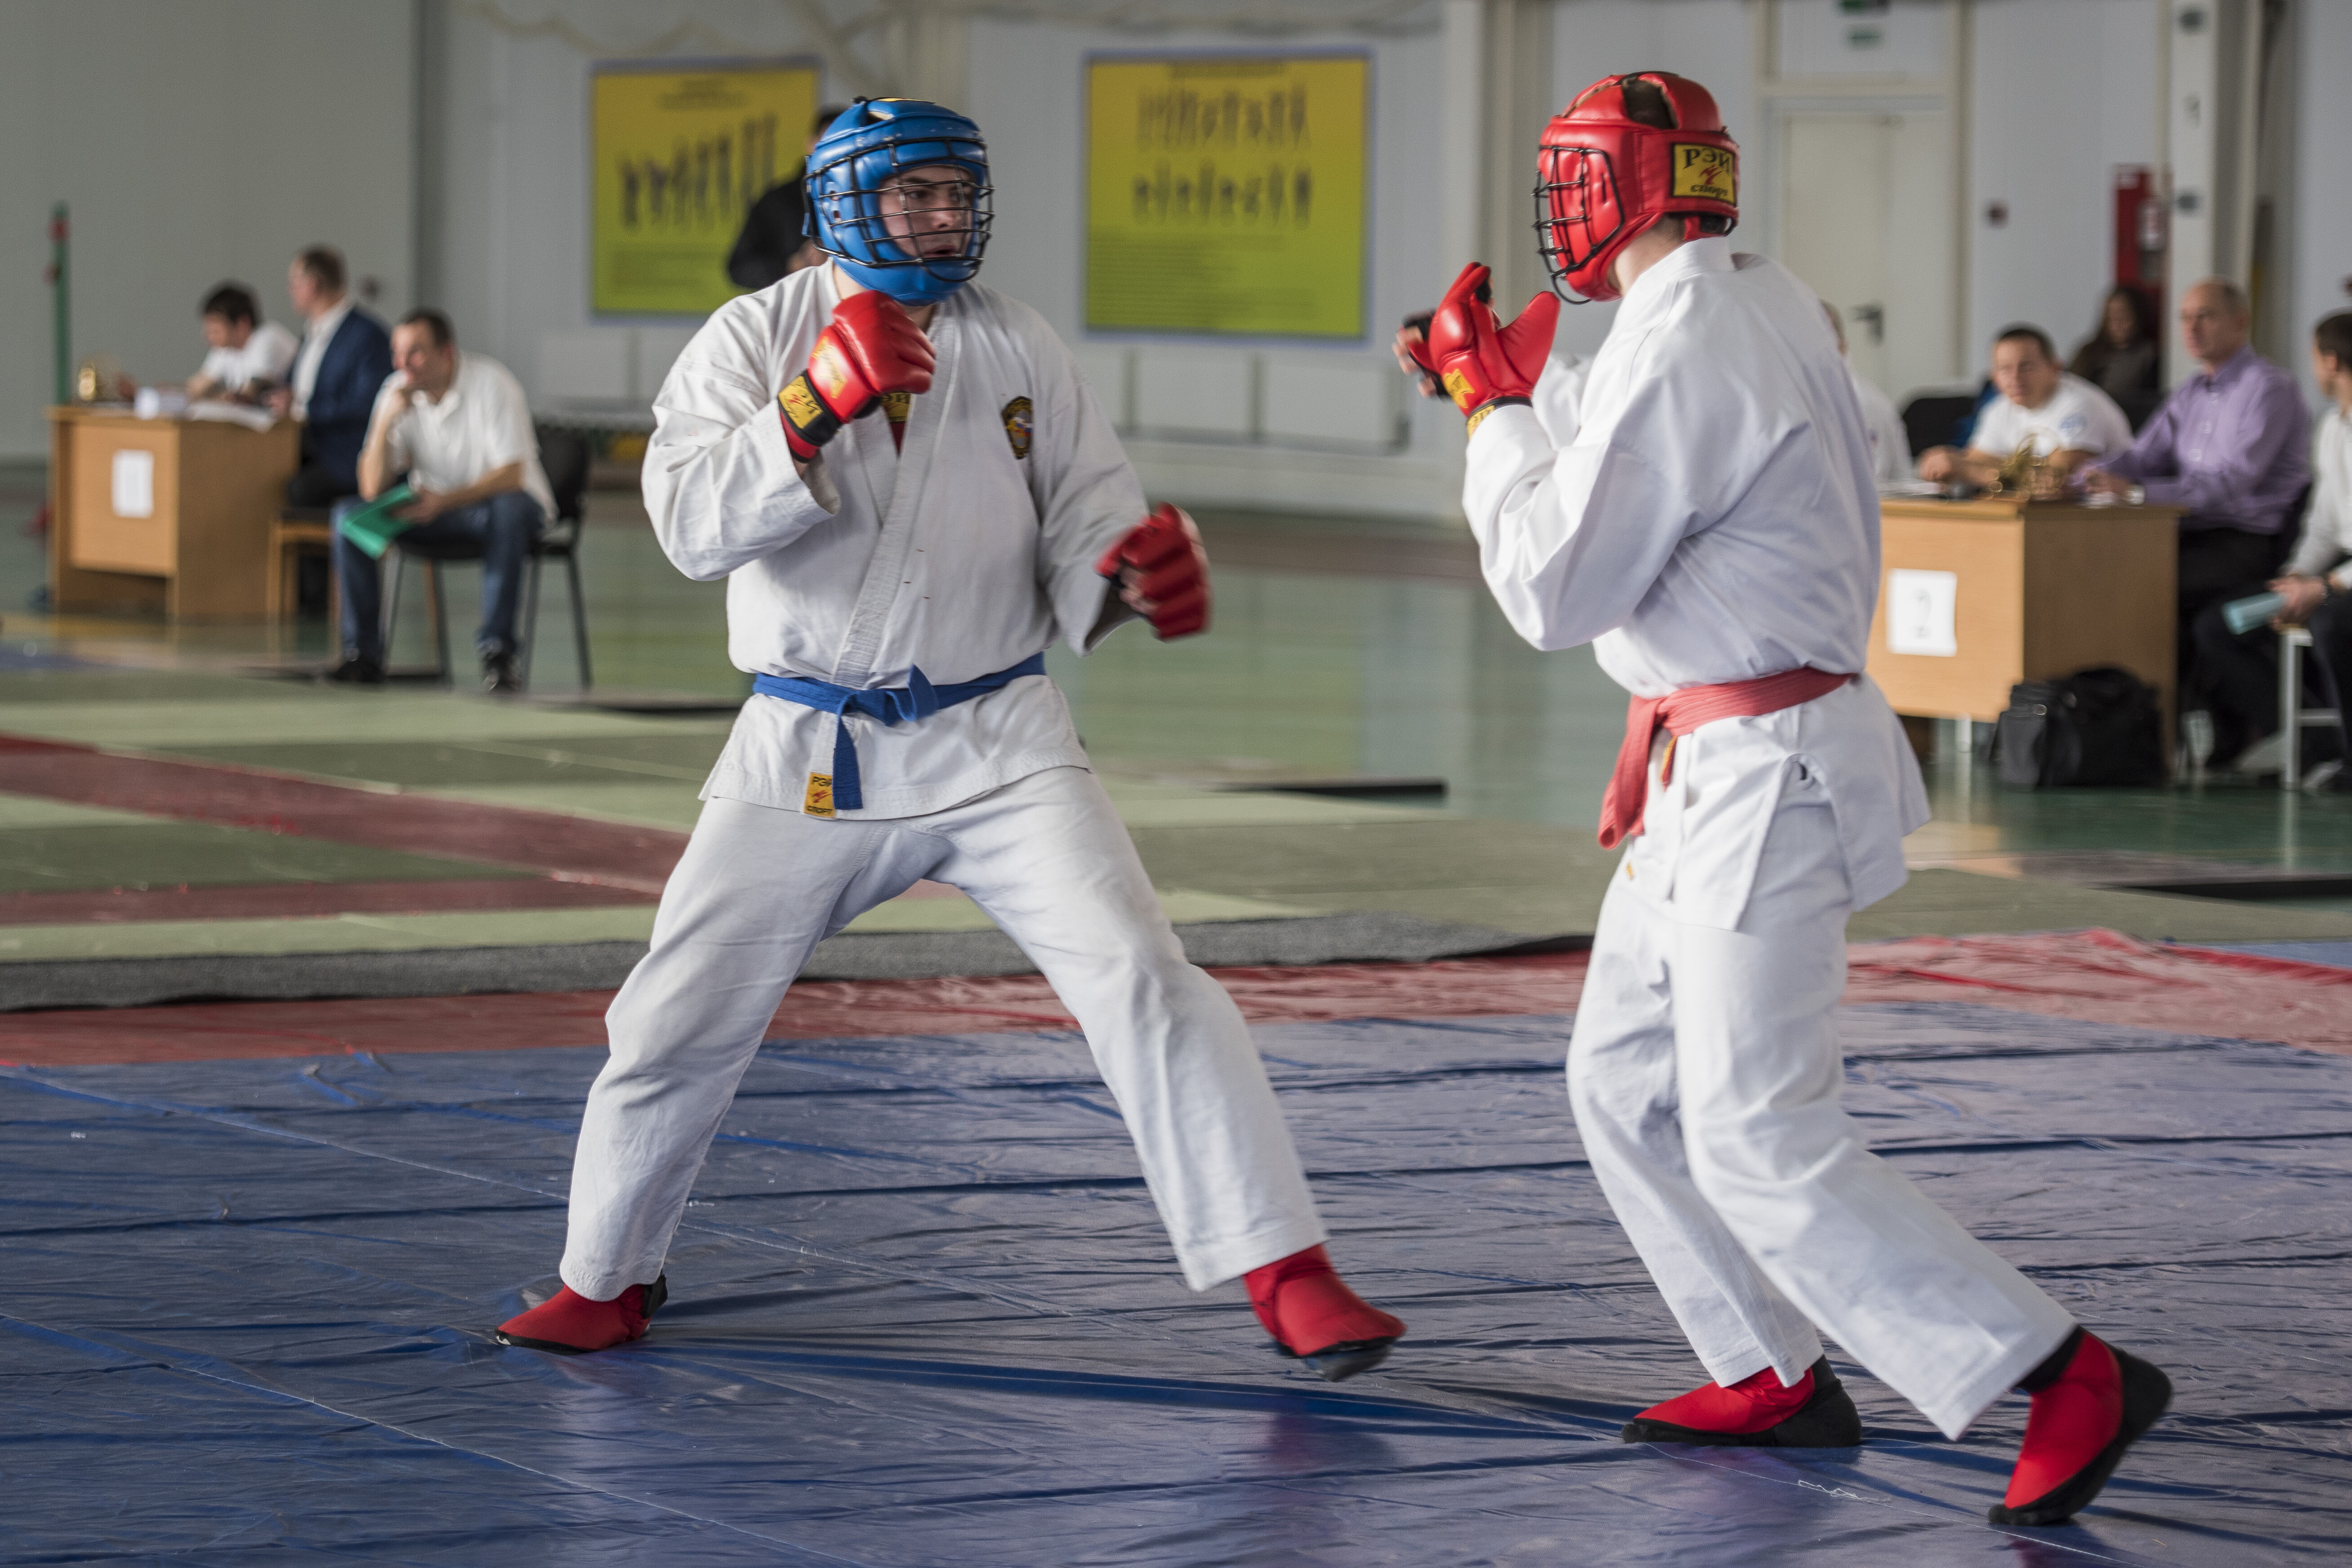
pixel 1710 174
pixel 818 802
pixel 1457 385
pixel 801 406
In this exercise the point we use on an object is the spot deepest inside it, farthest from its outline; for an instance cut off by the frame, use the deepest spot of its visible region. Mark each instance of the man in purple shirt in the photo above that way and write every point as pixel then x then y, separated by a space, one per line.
pixel 2229 445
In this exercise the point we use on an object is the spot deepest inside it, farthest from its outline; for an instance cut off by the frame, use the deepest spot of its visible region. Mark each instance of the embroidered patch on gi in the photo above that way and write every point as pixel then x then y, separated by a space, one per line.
pixel 1020 423
pixel 1711 173
pixel 818 802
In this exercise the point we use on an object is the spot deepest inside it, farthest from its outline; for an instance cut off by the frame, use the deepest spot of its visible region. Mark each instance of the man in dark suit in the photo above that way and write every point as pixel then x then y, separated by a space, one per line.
pixel 345 358
pixel 775 241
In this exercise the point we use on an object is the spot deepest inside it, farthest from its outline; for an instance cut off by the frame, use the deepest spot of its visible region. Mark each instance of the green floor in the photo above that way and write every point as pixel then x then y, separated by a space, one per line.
pixel 1340 649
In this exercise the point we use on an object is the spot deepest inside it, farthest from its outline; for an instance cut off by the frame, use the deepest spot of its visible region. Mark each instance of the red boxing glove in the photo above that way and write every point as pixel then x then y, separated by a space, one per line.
pixel 1481 363
pixel 1162 571
pixel 872 346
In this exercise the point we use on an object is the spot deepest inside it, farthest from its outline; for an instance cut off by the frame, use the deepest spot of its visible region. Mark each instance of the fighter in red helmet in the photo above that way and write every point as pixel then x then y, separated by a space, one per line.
pixel 1713 530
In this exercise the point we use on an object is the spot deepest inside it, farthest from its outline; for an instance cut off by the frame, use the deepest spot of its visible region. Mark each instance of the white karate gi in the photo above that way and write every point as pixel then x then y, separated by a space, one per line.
pixel 964 555
pixel 1715 520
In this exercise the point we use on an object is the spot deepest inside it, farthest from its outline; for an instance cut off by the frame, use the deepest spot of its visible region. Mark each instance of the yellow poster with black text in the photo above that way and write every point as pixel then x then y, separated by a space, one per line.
pixel 678 157
pixel 1225 194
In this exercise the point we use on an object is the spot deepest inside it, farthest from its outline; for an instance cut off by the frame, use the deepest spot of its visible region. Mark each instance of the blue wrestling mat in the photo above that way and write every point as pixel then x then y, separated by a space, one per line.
pixel 922 1313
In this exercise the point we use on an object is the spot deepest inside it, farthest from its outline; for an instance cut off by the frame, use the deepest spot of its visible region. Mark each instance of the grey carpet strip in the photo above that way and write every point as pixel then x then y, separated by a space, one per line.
pixel 602 965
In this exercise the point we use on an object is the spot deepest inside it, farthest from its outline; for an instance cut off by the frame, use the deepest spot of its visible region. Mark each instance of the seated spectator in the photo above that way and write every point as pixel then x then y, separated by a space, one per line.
pixel 249 357
pixel 1890 448
pixel 2121 358
pixel 340 368
pixel 775 241
pixel 2227 448
pixel 457 425
pixel 2317 586
pixel 2066 420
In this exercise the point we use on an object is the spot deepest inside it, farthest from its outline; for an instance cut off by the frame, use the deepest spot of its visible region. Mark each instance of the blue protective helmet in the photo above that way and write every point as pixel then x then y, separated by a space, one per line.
pixel 875 139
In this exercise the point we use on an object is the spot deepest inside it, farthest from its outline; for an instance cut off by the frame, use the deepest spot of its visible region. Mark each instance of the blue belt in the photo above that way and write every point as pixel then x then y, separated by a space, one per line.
pixel 916 699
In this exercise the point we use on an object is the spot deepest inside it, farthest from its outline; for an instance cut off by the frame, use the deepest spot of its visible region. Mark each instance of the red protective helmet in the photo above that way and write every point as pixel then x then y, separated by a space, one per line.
pixel 1628 150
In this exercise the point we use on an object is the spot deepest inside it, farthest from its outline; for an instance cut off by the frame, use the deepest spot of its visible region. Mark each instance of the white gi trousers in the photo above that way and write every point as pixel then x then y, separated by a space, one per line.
pixel 1705 1072
pixel 1049 860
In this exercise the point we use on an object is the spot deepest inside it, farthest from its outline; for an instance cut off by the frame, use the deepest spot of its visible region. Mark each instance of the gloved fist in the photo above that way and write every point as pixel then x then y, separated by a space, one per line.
pixel 872 346
pixel 1480 363
pixel 1162 573
pixel 1412 350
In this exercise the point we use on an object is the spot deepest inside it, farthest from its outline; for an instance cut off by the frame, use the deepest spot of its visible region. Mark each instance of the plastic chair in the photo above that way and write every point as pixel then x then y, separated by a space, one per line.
pixel 2293 717
pixel 564 455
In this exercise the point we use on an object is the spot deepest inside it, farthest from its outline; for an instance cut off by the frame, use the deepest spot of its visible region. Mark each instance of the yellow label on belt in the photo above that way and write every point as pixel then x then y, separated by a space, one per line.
pixel 1711 173
pixel 819 800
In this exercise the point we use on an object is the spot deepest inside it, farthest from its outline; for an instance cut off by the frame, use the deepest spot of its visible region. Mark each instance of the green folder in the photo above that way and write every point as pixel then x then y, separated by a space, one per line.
pixel 372 527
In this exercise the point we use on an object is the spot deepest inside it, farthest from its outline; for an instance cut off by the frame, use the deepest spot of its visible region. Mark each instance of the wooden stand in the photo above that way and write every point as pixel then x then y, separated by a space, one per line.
pixel 2045 588
pixel 202 553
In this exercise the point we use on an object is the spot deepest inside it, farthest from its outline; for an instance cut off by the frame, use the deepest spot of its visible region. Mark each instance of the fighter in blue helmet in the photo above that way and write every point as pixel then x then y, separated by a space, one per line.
pixel 901 158
pixel 892 584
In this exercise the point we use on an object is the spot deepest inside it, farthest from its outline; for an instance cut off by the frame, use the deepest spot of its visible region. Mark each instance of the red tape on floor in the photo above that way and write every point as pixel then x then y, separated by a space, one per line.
pixel 283 901
pixel 577 848
pixel 2099 976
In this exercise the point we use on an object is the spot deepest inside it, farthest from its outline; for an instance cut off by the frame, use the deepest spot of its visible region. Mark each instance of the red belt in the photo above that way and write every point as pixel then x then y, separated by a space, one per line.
pixel 1683 712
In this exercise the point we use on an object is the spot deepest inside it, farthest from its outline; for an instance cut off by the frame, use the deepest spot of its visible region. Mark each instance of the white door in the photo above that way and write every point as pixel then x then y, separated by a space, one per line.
pixel 1866 220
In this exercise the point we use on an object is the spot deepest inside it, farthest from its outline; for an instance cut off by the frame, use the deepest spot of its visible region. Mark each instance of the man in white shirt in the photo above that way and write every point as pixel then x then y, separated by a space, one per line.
pixel 1890 446
pixel 249 357
pixel 2067 421
pixel 458 424
pixel 1713 530
pixel 932 498
pixel 2241 668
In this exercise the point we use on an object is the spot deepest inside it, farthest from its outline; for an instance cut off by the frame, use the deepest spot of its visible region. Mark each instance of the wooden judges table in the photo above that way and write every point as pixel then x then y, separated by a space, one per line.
pixel 170 512
pixel 1977 595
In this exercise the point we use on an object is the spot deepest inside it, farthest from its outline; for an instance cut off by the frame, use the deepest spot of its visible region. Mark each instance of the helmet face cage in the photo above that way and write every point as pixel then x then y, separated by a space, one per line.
pixel 1576 213
pixel 849 210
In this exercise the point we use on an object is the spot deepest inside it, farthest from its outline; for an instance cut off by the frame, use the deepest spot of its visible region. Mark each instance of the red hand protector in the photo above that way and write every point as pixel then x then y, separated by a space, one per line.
pixel 872 346
pixel 1412 350
pixel 1481 363
pixel 1162 571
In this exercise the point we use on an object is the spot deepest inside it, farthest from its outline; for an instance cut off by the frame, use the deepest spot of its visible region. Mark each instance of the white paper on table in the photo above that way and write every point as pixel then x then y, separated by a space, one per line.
pixel 134 483
pixel 228 413
pixel 1920 609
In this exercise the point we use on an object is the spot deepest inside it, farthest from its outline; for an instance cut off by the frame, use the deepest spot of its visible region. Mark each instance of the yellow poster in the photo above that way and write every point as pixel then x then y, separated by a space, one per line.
pixel 678 157
pixel 1225 194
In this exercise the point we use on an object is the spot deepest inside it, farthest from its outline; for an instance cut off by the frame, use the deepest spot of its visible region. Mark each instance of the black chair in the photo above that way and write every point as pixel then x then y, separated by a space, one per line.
pixel 1935 421
pixel 564 455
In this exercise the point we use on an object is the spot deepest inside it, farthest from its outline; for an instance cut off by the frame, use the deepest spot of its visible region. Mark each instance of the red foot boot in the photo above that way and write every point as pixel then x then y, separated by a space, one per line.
pixel 1758 1412
pixel 571 1324
pixel 1314 1317
pixel 2091 1401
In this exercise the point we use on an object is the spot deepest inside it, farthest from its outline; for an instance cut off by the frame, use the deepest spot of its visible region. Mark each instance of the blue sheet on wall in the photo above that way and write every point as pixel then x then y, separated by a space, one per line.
pixel 922 1313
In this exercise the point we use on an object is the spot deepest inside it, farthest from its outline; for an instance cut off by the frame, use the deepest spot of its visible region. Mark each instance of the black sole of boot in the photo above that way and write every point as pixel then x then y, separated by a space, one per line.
pixel 1827 1420
pixel 1337 1363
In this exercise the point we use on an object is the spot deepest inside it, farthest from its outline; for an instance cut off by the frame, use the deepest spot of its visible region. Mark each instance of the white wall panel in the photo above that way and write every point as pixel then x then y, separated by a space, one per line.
pixel 1330 402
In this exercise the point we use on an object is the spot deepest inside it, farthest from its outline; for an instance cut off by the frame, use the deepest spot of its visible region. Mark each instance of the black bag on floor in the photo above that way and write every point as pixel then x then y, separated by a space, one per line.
pixel 2100 726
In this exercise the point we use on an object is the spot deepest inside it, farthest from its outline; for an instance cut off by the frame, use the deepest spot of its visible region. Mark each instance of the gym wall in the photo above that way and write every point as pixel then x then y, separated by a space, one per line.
pixel 196 141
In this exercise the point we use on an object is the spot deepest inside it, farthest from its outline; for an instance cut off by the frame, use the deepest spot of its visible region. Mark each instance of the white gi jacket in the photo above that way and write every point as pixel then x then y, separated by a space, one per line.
pixel 1715 520
pixel 963 555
